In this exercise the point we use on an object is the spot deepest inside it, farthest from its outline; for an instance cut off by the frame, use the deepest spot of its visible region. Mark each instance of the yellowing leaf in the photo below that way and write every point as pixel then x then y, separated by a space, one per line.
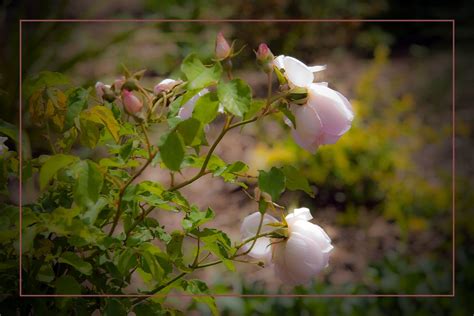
pixel 102 115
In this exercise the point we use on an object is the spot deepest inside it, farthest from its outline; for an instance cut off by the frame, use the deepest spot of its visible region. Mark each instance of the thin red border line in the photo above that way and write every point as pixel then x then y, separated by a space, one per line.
pixel 241 295
pixel 453 167
pixel 237 20
pixel 20 154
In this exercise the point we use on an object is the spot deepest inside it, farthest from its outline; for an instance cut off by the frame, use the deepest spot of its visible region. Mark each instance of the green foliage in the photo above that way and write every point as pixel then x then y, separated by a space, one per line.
pixel 172 151
pixel 206 108
pixel 272 182
pixel 235 96
pixel 52 166
pixel 200 76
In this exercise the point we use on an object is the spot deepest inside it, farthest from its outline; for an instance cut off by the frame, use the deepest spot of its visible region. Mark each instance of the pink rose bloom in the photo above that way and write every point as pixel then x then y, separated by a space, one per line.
pixel 327 114
pixel 297 259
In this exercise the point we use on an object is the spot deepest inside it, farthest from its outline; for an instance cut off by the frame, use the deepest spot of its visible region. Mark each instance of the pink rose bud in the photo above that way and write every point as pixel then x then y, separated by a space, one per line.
pixel 118 83
pixel 99 90
pixel 223 49
pixel 131 103
pixel 264 54
pixel 166 85
pixel 265 57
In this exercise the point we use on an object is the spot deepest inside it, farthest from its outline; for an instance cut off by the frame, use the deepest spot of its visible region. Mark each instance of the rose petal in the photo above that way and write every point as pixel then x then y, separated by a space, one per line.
pixel 303 258
pixel 278 62
pixel 335 116
pixel 297 72
pixel 261 249
pixel 317 68
pixel 302 213
pixel 308 123
pixel 305 143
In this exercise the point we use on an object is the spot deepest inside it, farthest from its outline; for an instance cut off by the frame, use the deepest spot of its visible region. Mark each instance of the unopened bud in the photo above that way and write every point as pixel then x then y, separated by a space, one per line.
pixel 118 83
pixel 223 49
pixel 265 58
pixel 131 103
pixel 166 85
pixel 100 90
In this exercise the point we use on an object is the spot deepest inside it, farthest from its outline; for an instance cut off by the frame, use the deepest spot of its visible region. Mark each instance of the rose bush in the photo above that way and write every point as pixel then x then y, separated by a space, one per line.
pixel 93 226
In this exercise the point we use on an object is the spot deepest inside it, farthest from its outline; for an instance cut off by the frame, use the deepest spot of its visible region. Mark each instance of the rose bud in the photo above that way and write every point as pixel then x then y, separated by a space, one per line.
pixel 131 103
pixel 265 57
pixel 325 115
pixel 223 49
pixel 297 258
pixel 187 109
pixel 166 85
pixel 100 90
pixel 118 83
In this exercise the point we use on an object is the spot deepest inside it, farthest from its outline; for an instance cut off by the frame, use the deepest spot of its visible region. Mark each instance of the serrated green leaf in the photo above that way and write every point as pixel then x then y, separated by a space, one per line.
pixel 218 243
pixel 75 261
pixel 295 180
pixel 272 182
pixel 88 184
pixel 52 166
pixel 235 96
pixel 196 218
pixel 174 247
pixel 206 108
pixel 192 131
pixel 198 75
pixel 172 151
pixel 76 102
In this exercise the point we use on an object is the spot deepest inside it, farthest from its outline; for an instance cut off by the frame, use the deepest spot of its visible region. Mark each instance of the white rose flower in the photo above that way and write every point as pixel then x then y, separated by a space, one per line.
pixel 297 259
pixel 327 114
pixel 187 109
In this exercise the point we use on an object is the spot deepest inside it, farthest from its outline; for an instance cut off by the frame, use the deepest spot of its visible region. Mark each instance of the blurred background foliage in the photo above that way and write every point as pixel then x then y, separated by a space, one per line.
pixel 385 188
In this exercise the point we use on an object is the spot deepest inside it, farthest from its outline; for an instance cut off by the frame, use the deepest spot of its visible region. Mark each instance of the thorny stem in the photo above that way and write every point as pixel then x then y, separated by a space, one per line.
pixel 196 258
pixel 202 171
pixel 200 266
pixel 123 189
pixel 159 288
pixel 227 127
